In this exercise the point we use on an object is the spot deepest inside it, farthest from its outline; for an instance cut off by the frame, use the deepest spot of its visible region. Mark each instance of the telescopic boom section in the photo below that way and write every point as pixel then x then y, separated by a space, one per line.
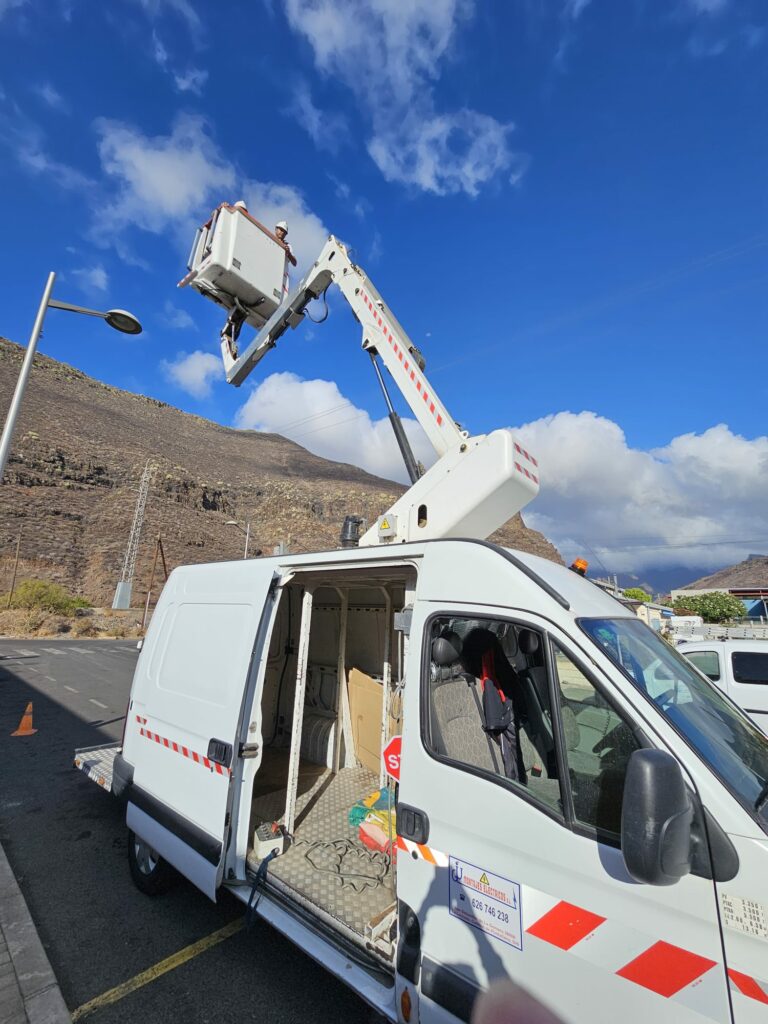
pixel 381 333
pixel 476 484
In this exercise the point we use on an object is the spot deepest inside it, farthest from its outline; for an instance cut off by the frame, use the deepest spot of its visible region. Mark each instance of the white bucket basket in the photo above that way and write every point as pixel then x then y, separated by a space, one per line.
pixel 236 260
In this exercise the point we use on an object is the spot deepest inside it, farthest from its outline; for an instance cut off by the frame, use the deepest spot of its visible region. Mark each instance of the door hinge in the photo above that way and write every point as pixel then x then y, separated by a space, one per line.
pixel 247 750
pixel 402 620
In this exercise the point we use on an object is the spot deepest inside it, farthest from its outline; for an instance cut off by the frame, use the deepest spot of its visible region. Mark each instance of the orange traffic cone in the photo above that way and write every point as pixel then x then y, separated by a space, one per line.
pixel 25 725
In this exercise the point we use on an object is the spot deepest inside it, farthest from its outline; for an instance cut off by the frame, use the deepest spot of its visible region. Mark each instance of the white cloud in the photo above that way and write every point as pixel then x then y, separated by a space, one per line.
pixel 359 206
pixel 681 504
pixel 159 51
pixel 326 128
pixel 173 181
pixel 193 372
pixel 376 250
pixel 389 54
pixel 161 179
pixel 182 8
pixel 9 5
pixel 192 80
pixel 316 415
pixel 177 319
pixel 446 153
pixel 52 97
pixel 27 142
pixel 92 279
pixel 707 6
pixel 575 8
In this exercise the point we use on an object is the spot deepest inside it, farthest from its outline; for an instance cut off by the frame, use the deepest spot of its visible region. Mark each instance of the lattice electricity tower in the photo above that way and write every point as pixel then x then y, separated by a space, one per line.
pixel 122 599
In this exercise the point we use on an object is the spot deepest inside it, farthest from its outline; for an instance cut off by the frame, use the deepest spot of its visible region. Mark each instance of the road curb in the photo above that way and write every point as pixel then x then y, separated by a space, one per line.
pixel 31 993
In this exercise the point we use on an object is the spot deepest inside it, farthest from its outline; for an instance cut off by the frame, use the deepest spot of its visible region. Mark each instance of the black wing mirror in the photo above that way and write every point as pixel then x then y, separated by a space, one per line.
pixel 656 819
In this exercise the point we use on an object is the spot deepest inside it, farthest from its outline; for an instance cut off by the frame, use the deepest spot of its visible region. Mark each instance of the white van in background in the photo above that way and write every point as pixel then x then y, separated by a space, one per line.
pixel 740 667
pixel 439 764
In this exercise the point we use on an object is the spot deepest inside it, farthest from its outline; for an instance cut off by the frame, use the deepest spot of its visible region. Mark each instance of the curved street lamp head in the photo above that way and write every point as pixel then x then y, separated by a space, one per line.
pixel 231 522
pixel 123 321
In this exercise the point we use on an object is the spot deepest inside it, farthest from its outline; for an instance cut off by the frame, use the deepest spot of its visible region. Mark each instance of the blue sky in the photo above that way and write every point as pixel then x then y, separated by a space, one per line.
pixel 564 202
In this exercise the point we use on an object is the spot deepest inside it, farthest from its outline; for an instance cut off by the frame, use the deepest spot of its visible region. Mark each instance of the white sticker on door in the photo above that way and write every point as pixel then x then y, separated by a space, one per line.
pixel 486 901
pixel 746 916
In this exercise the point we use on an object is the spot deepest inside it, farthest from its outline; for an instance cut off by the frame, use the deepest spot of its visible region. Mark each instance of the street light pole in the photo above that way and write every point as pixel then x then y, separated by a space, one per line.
pixel 246 531
pixel 21 383
pixel 119 319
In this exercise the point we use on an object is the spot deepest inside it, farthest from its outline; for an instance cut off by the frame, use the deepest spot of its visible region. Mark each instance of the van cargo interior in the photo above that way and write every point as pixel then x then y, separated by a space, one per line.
pixel 338 860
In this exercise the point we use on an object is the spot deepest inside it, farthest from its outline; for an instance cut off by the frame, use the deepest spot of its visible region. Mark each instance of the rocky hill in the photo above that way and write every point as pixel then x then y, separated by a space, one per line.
pixel 78 454
pixel 750 574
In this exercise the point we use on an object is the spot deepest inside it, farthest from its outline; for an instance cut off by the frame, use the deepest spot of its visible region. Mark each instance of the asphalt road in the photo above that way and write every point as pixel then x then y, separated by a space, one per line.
pixel 66 841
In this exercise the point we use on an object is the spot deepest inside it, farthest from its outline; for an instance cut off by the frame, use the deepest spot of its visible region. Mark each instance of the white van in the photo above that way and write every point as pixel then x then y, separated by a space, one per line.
pixel 553 822
pixel 740 667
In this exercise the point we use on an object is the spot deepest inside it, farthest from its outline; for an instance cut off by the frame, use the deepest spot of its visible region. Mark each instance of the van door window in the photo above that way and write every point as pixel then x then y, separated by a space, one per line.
pixel 750 667
pixel 598 745
pixel 488 706
pixel 707 662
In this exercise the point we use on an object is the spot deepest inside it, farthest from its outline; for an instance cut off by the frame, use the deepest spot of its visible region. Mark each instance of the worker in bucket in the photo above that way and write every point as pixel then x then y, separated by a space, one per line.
pixel 281 232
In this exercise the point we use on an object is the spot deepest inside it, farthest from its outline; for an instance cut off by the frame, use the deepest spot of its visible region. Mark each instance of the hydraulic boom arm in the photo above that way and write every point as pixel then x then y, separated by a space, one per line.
pixel 381 333
pixel 477 483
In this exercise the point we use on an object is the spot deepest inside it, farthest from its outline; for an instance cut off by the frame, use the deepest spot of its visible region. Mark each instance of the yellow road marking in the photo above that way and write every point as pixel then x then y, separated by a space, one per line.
pixel 169 964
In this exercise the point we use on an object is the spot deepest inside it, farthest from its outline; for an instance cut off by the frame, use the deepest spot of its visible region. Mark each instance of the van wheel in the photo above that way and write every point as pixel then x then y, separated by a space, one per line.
pixel 150 873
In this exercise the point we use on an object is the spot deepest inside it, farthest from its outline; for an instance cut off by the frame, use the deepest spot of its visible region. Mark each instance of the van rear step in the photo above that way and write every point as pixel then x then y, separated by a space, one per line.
pixel 97 763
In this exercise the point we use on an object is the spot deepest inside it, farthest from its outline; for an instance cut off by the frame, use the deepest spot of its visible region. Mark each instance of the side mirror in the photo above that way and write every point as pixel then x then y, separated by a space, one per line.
pixel 656 819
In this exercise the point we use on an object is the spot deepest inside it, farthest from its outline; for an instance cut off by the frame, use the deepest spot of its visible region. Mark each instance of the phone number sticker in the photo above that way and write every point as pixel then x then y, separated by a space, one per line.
pixel 485 901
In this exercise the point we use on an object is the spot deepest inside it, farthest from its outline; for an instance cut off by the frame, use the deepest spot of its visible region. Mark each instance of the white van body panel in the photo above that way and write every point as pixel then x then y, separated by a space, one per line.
pixel 566 881
pixel 188 691
pixel 752 697
pixel 178 853
pixel 474 821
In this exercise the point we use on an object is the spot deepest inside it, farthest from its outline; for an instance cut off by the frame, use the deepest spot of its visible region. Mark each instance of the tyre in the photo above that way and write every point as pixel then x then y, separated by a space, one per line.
pixel 150 873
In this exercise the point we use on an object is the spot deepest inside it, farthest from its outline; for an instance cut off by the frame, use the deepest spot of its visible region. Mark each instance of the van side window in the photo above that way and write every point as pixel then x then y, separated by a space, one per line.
pixel 750 667
pixel 598 745
pixel 706 662
pixel 488 705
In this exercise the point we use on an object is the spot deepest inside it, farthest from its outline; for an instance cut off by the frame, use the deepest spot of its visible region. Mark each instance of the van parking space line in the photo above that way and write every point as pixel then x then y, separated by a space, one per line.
pixel 113 995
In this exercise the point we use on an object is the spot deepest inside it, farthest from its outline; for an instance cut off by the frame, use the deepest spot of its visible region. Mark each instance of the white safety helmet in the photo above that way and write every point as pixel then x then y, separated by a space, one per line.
pixel 240 205
pixel 282 224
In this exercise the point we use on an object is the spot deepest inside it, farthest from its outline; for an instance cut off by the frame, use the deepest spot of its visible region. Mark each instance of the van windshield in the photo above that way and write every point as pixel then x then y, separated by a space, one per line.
pixel 725 738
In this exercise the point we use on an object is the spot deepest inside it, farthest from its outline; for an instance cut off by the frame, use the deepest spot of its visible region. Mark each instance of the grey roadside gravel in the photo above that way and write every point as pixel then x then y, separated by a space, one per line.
pixel 29 992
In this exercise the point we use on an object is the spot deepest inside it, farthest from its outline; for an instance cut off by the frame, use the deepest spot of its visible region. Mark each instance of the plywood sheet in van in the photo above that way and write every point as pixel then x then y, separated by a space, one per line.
pixel 365 697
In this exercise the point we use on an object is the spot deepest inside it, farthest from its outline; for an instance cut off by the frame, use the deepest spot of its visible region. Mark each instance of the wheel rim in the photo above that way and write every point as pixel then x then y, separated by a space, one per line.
pixel 146 858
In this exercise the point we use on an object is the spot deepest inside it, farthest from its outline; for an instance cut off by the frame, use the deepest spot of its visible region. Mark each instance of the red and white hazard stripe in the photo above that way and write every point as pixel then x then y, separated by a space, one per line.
pixel 179 748
pixel 419 851
pixel 405 358
pixel 748 986
pixel 661 967
pixel 520 466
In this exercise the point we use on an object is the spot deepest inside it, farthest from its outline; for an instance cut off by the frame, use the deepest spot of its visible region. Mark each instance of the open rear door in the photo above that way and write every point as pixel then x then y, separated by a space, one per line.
pixel 184 720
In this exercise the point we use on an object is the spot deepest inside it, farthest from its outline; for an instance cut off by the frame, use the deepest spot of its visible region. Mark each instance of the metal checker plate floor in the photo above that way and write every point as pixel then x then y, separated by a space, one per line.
pixel 324 841
pixel 98 763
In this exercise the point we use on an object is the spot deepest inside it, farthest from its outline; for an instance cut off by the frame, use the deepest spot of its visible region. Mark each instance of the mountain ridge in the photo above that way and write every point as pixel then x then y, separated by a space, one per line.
pixel 78 452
